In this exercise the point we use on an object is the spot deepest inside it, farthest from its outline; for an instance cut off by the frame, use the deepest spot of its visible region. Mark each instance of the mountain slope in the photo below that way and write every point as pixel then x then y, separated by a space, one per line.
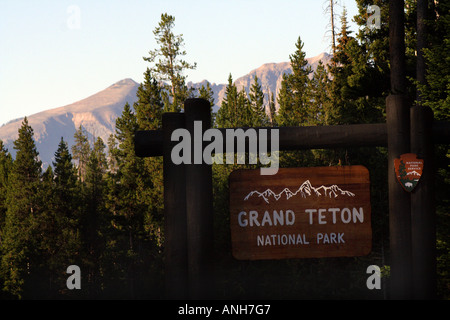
pixel 98 113
pixel 270 76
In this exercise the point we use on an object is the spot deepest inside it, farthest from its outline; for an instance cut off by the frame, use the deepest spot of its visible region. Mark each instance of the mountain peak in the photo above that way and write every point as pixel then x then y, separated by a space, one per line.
pixel 124 82
pixel 98 112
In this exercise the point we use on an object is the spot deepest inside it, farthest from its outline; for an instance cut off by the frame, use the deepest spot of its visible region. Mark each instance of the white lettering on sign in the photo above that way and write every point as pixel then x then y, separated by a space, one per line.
pixel 281 239
pixel 276 218
pixel 345 215
pixel 330 237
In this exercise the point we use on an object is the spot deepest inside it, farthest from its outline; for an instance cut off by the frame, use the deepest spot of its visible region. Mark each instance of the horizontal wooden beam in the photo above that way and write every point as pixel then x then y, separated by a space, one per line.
pixel 329 137
pixel 150 143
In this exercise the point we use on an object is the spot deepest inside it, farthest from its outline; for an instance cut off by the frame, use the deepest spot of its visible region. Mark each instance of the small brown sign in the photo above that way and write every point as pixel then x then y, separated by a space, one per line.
pixel 300 213
pixel 408 170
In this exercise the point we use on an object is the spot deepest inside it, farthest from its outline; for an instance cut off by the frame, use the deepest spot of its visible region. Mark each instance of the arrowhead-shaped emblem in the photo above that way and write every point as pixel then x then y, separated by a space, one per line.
pixel 408 170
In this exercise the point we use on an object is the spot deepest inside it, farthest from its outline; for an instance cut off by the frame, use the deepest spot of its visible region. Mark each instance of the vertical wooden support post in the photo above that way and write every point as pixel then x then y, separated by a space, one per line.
pixel 176 268
pixel 397 46
pixel 423 225
pixel 199 203
pixel 422 16
pixel 398 128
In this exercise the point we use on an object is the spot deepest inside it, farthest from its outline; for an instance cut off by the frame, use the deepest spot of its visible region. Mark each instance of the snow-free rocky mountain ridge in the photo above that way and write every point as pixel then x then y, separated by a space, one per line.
pixel 98 112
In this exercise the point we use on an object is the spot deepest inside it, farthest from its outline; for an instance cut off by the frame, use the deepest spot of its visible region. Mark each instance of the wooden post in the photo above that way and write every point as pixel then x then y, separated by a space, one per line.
pixel 397 46
pixel 199 206
pixel 175 246
pixel 423 225
pixel 422 15
pixel 398 128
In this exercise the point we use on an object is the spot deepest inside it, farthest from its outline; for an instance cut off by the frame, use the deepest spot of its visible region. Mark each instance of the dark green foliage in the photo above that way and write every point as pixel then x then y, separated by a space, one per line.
pixel 19 235
pixel 295 90
pixel 258 108
pixel 168 63
pixel 104 211
pixel 80 151
pixel 149 107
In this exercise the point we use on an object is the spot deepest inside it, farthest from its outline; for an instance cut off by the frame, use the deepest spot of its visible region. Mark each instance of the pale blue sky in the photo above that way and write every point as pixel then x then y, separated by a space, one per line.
pixel 49 58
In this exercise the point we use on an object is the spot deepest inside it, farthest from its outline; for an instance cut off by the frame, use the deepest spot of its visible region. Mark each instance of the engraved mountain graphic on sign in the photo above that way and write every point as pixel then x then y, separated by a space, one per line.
pixel 414 173
pixel 305 190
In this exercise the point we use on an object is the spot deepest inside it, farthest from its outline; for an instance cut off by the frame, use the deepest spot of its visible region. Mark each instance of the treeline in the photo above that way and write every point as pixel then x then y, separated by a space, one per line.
pixel 100 207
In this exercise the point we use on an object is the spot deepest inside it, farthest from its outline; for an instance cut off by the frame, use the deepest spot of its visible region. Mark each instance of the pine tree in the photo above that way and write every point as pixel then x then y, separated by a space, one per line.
pixel 65 172
pixel 244 113
pixel 272 111
pixel 168 63
pixel 19 240
pixel 80 151
pixel 320 98
pixel 294 94
pixel 227 114
pixel 62 243
pixel 149 107
pixel 98 150
pixel 112 161
pixel 285 115
pixel 208 94
pixel 131 207
pixel 353 90
pixel 436 91
pixel 6 163
pixel 257 104
pixel 93 219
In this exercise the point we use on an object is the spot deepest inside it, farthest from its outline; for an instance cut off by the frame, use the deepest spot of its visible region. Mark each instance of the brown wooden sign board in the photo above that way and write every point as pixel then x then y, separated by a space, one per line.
pixel 300 213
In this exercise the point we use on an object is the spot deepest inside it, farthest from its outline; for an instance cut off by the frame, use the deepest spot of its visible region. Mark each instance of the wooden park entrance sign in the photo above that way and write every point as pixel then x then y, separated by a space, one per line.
pixel 300 213
pixel 412 232
pixel 189 210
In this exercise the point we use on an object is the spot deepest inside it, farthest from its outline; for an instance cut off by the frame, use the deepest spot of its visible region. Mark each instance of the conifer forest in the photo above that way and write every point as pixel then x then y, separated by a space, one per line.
pixel 100 207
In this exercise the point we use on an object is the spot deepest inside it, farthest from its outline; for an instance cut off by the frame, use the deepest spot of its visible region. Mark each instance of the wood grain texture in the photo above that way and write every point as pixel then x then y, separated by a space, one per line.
pixel 341 228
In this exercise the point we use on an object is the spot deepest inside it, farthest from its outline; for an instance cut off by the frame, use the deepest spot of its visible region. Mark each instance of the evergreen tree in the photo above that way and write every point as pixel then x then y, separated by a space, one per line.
pixel 149 107
pixel 436 91
pixel 272 111
pixel 65 172
pixel 93 219
pixel 354 95
pixel 168 62
pixel 19 238
pixel 207 94
pixel 112 161
pixel 80 151
pixel 320 98
pixel 132 212
pixel 257 104
pixel 98 150
pixel 63 213
pixel 227 114
pixel 6 163
pixel 295 90
pixel 245 116
pixel 285 115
